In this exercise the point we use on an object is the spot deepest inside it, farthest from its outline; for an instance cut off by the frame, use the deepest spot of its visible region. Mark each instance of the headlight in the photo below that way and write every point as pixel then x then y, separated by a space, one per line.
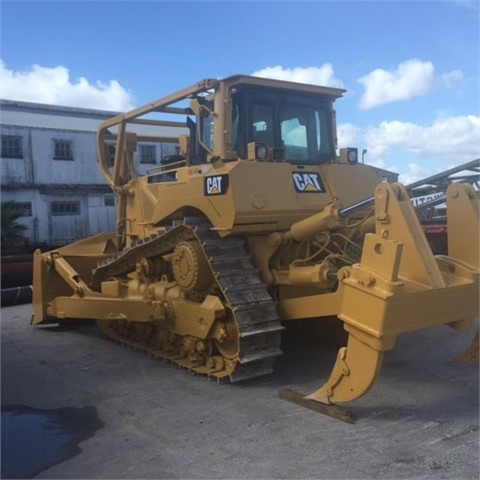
pixel 258 151
pixel 352 155
pixel 262 152
pixel 348 155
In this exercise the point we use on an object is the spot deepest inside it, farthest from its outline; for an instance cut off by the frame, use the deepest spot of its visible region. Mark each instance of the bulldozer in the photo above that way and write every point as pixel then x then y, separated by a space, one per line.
pixel 256 221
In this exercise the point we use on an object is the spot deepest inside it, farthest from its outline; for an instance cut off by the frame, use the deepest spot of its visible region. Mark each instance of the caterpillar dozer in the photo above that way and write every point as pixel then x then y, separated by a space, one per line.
pixel 255 221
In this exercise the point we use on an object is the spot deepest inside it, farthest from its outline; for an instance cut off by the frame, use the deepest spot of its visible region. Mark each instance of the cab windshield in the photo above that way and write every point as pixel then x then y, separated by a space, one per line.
pixel 301 125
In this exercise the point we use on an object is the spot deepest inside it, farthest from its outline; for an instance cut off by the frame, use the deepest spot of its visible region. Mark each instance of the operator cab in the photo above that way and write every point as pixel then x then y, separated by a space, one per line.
pixel 268 124
pixel 236 118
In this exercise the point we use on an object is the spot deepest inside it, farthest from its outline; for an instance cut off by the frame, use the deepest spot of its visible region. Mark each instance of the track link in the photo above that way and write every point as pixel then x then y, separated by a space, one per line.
pixel 252 312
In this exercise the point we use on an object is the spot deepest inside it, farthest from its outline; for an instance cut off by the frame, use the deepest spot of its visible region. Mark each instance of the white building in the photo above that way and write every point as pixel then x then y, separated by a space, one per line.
pixel 49 168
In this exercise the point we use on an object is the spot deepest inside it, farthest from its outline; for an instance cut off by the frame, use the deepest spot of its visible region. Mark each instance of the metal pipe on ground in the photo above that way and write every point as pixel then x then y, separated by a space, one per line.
pixel 17 270
pixel 16 295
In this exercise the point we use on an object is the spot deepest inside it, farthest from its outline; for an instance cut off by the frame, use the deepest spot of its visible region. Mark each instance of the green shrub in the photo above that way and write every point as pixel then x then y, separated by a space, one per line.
pixel 12 232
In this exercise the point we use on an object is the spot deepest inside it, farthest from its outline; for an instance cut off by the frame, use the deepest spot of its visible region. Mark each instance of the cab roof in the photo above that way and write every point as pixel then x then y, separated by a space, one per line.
pixel 238 79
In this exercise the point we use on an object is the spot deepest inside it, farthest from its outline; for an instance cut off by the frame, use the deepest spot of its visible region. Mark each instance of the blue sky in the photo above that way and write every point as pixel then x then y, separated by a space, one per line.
pixel 411 67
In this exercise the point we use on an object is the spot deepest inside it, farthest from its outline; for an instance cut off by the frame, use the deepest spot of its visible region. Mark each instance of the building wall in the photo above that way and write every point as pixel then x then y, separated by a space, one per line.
pixel 38 166
pixel 62 200
pixel 17 171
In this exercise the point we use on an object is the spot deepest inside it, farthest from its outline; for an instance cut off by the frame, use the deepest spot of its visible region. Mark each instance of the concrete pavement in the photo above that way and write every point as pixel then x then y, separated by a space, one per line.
pixel 154 420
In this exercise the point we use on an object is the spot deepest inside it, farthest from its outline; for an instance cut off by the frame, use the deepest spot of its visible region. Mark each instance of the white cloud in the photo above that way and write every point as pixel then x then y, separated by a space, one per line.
pixel 447 141
pixel 454 140
pixel 414 173
pixel 323 75
pixel 449 78
pixel 409 79
pixel 53 85
pixel 348 135
pixel 451 136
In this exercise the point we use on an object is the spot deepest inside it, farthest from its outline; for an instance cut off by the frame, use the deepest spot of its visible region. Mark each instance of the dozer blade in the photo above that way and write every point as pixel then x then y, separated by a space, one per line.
pixel 399 286
pixel 66 270
pixel 462 209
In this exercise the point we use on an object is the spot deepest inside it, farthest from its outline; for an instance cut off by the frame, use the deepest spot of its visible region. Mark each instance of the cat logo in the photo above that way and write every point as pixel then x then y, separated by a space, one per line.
pixel 216 185
pixel 308 182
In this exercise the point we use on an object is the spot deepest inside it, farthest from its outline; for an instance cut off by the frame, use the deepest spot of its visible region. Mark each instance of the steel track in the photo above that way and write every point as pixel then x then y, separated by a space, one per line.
pixel 244 295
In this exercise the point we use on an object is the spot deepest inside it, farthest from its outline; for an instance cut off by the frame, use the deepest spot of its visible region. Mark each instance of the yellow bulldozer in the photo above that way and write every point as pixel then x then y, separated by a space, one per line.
pixel 255 222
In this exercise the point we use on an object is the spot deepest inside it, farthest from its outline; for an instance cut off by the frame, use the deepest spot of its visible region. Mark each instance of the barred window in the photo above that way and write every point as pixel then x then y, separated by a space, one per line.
pixel 109 201
pixel 24 209
pixel 148 154
pixel 63 150
pixel 12 146
pixel 65 208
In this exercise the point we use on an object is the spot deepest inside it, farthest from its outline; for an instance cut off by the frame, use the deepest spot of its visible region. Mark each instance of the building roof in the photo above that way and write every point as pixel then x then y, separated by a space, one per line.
pixel 39 115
